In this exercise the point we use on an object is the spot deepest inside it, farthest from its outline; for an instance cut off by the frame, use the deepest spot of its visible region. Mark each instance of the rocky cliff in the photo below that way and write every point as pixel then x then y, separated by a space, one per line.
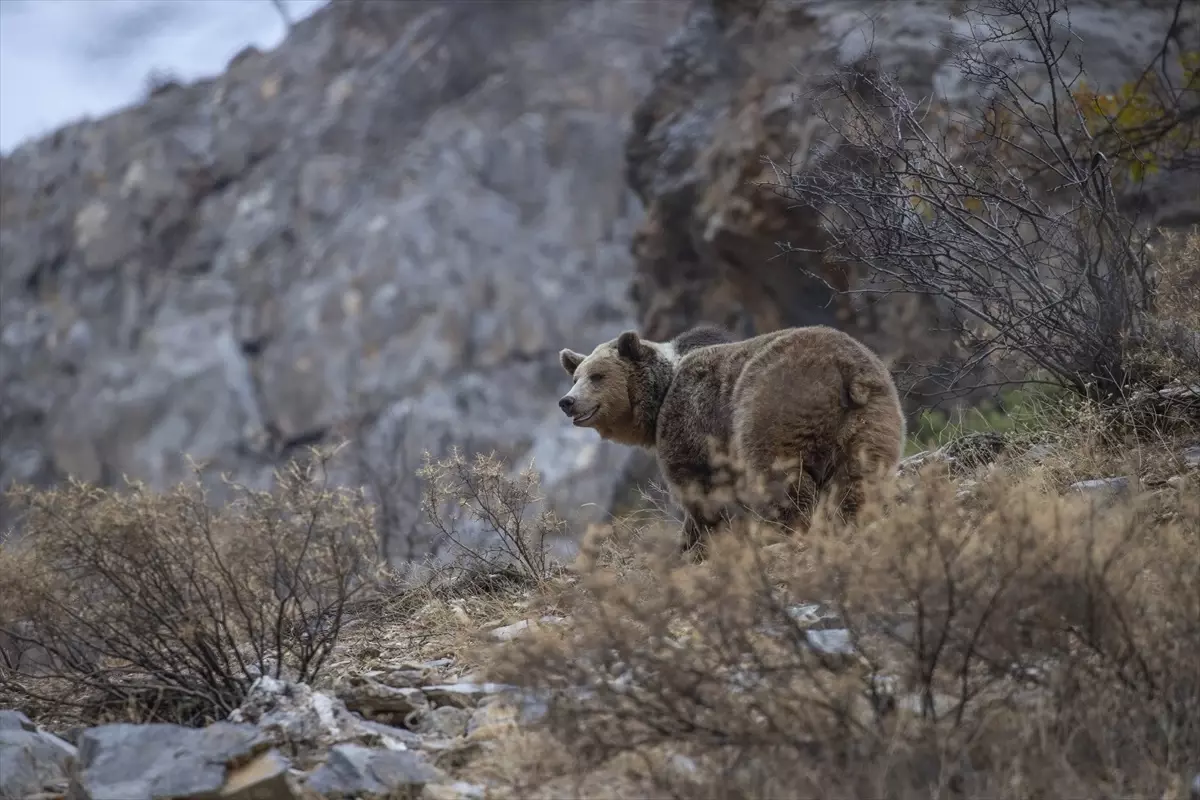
pixel 389 225
pixel 736 89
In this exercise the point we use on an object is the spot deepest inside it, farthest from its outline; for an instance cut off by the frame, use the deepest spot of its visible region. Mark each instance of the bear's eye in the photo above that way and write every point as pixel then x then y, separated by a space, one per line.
pixel 596 378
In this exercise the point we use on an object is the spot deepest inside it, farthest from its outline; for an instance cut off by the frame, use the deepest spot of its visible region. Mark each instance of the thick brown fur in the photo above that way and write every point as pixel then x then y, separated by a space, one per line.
pixel 811 410
pixel 700 336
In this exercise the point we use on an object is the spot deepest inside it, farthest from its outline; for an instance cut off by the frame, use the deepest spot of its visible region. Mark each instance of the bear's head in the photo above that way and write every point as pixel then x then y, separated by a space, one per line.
pixel 618 389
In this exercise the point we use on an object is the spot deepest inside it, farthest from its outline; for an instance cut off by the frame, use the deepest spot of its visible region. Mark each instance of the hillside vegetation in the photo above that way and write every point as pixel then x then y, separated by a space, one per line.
pixel 1015 614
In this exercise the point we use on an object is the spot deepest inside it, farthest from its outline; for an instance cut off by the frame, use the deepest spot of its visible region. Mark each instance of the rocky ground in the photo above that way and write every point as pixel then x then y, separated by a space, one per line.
pixel 406 707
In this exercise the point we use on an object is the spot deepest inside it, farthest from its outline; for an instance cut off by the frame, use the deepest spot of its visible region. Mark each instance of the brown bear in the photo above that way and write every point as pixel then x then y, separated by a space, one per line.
pixel 810 409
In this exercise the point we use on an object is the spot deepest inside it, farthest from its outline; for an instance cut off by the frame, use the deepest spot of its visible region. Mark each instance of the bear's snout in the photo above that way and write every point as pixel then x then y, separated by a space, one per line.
pixel 567 404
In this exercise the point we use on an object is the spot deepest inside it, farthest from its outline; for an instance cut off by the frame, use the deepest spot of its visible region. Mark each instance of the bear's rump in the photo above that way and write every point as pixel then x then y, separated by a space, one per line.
pixel 789 416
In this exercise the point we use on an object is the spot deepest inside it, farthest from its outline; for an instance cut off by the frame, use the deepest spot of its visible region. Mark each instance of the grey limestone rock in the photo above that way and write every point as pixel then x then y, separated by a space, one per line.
pixel 31 760
pixel 157 761
pixel 356 771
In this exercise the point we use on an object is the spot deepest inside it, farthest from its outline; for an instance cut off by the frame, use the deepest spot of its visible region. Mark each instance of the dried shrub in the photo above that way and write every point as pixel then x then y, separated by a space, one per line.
pixel 487 516
pixel 999 643
pixel 158 606
pixel 1007 211
pixel 1171 350
pixel 1153 122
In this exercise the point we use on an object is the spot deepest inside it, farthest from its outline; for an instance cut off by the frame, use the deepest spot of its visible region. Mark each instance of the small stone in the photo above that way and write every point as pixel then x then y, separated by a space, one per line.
pixel 377 734
pixel 1180 391
pixel 812 615
pixel 917 702
pixel 834 642
pixel 463 695
pixel 1039 452
pixel 1195 788
pixel 1102 486
pixel 835 646
pixel 263 778
pixel 509 632
pixel 379 701
pixel 683 765
pixel 446 721
pixel 1191 457
pixel 910 465
pixel 353 770
pixel 459 790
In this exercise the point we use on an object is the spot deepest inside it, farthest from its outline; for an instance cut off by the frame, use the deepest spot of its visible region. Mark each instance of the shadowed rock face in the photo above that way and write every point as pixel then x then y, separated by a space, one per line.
pixel 732 93
pixel 414 203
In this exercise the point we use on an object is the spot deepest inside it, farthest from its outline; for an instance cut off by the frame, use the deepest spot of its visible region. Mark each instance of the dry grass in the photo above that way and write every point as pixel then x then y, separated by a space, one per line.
pixel 1008 641
pixel 449 616
pixel 156 606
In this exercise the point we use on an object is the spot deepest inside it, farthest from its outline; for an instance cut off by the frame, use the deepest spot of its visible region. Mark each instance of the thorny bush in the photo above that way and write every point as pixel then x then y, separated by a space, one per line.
pixel 999 643
pixel 1004 209
pixel 488 517
pixel 142 605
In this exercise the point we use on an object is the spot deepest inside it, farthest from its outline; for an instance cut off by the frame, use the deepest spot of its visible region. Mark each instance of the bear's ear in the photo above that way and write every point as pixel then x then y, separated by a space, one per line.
pixel 629 346
pixel 570 360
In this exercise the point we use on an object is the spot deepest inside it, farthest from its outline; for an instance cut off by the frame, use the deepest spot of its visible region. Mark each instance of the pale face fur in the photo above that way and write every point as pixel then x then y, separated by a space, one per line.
pixel 608 391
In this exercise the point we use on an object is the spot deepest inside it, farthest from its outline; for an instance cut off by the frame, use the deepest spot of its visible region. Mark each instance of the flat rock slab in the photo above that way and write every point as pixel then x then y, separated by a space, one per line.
pixel 1103 489
pixel 160 761
pixel 465 694
pixel 15 721
pixel 263 778
pixel 376 700
pixel 355 771
pixel 31 761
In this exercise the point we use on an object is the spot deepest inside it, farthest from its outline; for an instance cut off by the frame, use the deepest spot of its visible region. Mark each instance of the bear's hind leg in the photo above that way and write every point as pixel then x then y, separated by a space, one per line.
pixel 800 501
pixel 853 481
pixel 784 495
pixel 695 538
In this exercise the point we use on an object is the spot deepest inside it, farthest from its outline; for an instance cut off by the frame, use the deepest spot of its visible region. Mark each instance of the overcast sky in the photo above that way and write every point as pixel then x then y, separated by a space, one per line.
pixel 65 59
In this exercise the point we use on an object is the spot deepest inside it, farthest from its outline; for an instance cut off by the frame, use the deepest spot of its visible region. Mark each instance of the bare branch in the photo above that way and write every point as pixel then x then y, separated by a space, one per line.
pixel 1008 215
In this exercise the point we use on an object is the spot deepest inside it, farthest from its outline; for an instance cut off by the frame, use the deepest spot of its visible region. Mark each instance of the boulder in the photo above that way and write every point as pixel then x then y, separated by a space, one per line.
pixel 446 722
pixel 158 761
pixel 378 701
pixel 265 777
pixel 31 761
pixel 305 723
pixel 356 771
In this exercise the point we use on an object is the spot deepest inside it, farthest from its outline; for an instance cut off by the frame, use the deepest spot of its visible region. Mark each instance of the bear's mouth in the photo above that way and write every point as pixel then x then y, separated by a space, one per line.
pixel 585 417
